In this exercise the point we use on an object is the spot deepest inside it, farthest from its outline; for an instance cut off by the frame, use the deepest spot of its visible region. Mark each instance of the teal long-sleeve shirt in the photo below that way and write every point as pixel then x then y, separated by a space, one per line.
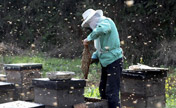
pixel 108 35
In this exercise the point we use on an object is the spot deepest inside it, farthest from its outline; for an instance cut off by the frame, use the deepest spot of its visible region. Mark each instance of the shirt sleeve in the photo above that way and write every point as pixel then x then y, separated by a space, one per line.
pixel 101 29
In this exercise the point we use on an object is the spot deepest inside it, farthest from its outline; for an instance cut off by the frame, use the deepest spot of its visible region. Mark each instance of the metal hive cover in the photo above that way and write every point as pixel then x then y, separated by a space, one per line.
pixel 22 66
pixel 58 84
pixel 6 85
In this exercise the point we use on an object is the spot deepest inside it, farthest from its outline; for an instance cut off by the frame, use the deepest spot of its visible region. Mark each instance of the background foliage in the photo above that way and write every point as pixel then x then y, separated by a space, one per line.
pixel 147 29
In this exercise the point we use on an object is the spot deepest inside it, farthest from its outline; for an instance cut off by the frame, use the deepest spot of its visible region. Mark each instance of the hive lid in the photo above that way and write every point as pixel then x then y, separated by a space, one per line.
pixel 62 84
pixel 60 75
pixel 22 66
pixel 144 73
pixel 21 104
pixel 5 85
pixel 147 70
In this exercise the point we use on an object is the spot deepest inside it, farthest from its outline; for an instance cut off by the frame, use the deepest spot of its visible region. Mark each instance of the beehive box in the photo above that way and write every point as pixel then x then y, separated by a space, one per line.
pixel 143 88
pixel 21 104
pixel 6 92
pixel 21 75
pixel 59 94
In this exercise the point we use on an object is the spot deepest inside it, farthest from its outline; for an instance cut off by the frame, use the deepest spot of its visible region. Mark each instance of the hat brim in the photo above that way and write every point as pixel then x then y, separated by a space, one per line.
pixel 85 24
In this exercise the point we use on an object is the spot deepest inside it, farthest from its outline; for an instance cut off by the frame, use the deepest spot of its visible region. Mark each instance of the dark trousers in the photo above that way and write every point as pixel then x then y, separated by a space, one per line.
pixel 110 83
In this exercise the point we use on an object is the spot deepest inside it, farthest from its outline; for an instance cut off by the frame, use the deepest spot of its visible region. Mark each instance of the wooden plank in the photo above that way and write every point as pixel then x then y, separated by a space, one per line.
pixel 21 104
pixel 82 105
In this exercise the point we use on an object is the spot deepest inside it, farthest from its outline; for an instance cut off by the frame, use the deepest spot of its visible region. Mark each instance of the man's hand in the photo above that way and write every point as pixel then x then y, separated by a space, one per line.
pixel 94 61
pixel 85 42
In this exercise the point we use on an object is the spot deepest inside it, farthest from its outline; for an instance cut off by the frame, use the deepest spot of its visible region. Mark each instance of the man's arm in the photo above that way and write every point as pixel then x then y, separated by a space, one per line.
pixel 101 29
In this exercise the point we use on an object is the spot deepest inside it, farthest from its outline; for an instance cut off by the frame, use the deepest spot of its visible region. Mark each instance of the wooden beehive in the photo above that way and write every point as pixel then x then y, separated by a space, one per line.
pixel 59 94
pixel 21 75
pixel 143 88
pixel 6 92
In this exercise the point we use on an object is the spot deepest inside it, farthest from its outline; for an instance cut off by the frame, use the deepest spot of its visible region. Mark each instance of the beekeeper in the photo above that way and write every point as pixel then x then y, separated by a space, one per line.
pixel 108 52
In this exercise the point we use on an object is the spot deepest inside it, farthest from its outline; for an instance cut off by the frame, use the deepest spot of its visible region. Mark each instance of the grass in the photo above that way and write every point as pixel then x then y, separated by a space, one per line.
pixel 170 88
pixel 91 90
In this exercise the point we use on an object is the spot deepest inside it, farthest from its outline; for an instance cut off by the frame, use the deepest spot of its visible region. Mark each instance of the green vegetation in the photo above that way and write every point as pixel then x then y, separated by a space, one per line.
pixel 92 91
pixel 147 32
pixel 171 90
pixel 147 29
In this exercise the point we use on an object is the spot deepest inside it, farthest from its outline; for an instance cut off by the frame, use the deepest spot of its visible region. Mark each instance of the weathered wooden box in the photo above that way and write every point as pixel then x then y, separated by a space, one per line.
pixel 59 94
pixel 21 104
pixel 143 88
pixel 21 75
pixel 6 92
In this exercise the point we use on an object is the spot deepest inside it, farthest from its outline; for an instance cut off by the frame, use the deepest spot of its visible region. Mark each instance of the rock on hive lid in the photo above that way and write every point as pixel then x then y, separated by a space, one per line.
pixel 143 67
pixel 60 75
